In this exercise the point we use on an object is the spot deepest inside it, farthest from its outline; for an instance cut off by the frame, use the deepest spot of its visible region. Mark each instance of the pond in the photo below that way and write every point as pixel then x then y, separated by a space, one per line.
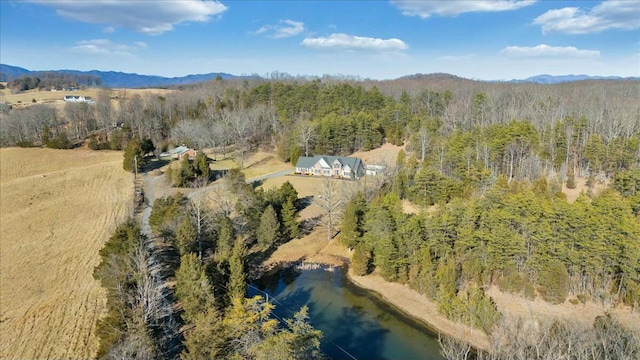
pixel 356 323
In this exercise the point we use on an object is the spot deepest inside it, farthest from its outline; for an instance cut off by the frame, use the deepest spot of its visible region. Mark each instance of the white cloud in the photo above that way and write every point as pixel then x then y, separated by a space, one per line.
pixel 109 30
pixel 425 9
pixel 284 29
pixel 547 51
pixel 107 47
pixel 350 42
pixel 612 14
pixel 151 17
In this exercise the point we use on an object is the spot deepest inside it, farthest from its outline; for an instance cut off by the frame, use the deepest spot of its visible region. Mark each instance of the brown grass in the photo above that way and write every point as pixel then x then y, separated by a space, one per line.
pixel 313 248
pixel 262 163
pixel 24 99
pixel 387 154
pixel 57 209
pixel 537 310
pixel 255 164
pixel 304 185
pixel 581 186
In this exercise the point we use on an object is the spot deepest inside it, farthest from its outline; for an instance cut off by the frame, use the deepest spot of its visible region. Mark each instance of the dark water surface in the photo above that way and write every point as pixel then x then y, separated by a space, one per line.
pixel 351 318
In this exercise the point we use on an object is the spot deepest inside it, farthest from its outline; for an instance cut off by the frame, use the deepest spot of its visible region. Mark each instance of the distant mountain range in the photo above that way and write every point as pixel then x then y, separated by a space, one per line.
pixel 538 79
pixel 556 79
pixel 115 79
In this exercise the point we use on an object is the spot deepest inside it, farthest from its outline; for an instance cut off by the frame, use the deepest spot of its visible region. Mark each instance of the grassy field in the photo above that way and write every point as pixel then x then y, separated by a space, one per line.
pixel 57 209
pixel 255 164
pixel 56 98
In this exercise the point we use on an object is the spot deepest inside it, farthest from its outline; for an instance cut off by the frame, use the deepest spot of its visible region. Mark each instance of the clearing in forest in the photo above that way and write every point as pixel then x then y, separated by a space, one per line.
pixel 25 98
pixel 57 208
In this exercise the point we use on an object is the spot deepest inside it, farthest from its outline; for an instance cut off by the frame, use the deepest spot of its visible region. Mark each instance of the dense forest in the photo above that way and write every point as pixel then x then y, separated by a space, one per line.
pixel 486 162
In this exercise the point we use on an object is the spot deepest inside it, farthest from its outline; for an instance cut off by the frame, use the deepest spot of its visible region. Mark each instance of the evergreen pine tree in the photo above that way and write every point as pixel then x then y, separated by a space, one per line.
pixel 226 237
pixel 201 165
pixel 289 220
pixel 554 282
pixel 268 230
pixel 133 154
pixel 288 194
pixel 237 280
pixel 361 260
pixel 187 175
pixel 352 219
pixel 186 235
pixel 206 339
pixel 193 287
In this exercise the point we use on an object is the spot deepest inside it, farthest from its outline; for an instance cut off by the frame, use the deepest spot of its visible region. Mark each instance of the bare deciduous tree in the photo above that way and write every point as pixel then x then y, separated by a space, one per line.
pixel 331 201
pixel 453 349
pixel 516 339
pixel 104 109
pixel 200 213
pixel 423 138
pixel 306 135
pixel 81 119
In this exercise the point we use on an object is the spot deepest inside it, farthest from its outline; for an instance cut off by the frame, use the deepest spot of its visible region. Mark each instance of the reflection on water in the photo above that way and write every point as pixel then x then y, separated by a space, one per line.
pixel 350 318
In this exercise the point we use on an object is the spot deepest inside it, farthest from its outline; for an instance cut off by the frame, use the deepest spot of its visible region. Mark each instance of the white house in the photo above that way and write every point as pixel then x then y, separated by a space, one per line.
pixel 78 98
pixel 331 166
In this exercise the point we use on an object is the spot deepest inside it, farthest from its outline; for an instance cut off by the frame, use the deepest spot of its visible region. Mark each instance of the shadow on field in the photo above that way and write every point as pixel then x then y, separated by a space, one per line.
pixel 307 225
pixel 305 202
pixel 154 164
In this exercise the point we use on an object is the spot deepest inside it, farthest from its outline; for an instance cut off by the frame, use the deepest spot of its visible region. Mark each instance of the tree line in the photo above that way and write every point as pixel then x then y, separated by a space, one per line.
pixel 53 80
pixel 140 321
pixel 566 128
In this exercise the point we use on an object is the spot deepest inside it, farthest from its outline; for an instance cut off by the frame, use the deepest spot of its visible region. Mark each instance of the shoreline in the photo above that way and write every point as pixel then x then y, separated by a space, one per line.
pixel 313 249
pixel 417 306
pixel 400 296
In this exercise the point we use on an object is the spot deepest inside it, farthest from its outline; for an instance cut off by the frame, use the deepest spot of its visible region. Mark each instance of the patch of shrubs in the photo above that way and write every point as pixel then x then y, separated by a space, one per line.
pixel 517 284
pixel 60 142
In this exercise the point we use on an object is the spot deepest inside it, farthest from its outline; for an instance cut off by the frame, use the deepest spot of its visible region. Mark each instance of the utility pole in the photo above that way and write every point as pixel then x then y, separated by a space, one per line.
pixel 135 182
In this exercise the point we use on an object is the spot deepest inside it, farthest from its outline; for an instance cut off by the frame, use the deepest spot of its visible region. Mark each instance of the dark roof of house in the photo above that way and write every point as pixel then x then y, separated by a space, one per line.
pixel 308 162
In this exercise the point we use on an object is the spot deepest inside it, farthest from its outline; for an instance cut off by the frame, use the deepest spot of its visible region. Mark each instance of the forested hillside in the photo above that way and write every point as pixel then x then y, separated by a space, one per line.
pixel 485 163
pixel 578 124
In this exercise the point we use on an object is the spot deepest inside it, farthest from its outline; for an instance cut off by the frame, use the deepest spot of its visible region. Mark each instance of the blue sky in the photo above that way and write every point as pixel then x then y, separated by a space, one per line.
pixel 489 40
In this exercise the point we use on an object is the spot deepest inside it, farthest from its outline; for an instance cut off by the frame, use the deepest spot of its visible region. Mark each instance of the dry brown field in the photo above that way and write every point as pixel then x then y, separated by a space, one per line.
pixel 24 99
pixel 57 208
pixel 386 154
pixel 255 164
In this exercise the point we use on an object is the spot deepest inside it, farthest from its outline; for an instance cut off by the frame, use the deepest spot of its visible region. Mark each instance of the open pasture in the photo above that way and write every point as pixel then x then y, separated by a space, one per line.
pixel 57 209
pixel 56 98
